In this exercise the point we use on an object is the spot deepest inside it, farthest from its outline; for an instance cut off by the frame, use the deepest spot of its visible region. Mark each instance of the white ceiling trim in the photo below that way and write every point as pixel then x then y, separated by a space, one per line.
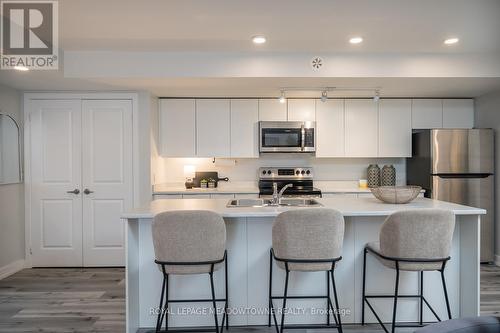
pixel 89 64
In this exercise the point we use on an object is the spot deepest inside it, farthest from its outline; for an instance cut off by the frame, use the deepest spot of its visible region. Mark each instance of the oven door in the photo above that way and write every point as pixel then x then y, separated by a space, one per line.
pixel 282 137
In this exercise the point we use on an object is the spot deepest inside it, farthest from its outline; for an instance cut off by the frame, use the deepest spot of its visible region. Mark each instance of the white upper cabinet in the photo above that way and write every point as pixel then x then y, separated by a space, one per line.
pixel 394 131
pixel 427 113
pixel 272 110
pixel 177 128
pixel 244 128
pixel 361 128
pixel 213 127
pixel 330 141
pixel 301 110
pixel 458 113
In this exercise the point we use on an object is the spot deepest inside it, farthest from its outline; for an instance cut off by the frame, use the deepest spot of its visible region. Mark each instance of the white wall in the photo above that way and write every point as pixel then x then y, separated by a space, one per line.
pixel 11 196
pixel 170 170
pixel 487 115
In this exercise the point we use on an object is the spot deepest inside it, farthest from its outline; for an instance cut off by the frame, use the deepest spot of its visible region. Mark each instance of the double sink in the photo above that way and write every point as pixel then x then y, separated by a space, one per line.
pixel 284 202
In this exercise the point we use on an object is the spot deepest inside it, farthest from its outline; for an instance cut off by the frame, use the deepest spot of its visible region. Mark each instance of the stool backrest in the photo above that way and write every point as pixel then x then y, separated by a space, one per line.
pixel 313 233
pixel 189 236
pixel 418 233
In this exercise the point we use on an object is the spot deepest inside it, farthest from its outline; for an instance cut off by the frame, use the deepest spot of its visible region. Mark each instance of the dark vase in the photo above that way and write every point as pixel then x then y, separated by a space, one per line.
pixel 373 175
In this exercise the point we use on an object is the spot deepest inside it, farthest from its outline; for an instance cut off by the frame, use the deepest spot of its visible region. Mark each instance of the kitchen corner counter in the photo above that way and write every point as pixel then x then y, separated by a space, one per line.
pixel 347 206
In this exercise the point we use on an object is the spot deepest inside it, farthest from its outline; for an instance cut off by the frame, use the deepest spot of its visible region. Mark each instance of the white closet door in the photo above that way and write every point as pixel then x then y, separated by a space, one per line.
pixel 107 173
pixel 55 154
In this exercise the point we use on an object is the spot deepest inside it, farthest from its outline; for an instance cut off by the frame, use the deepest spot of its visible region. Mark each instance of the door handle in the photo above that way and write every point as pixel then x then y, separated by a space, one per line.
pixel 75 191
pixel 87 191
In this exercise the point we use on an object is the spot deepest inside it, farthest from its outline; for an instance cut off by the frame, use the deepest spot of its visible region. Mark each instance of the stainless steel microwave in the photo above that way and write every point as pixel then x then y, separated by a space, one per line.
pixel 287 136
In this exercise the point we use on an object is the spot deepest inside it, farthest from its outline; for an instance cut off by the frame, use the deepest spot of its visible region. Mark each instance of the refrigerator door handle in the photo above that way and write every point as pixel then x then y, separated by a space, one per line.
pixel 467 175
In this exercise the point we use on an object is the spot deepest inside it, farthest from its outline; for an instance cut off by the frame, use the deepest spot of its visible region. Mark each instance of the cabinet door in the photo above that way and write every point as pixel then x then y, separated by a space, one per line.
pixel 272 110
pixel 244 128
pixel 213 128
pixel 55 161
pixel 458 113
pixel 427 113
pixel 394 139
pixel 301 110
pixel 361 128
pixel 107 175
pixel 177 128
pixel 330 128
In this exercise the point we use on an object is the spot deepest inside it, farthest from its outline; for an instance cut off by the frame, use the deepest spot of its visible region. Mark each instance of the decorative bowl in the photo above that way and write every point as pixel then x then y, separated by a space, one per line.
pixel 396 194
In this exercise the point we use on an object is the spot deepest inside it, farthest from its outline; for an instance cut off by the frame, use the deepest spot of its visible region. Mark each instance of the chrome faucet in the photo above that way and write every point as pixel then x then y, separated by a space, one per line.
pixel 277 195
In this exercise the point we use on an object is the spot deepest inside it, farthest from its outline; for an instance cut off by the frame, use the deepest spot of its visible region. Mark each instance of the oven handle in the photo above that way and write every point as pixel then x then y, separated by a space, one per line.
pixel 302 137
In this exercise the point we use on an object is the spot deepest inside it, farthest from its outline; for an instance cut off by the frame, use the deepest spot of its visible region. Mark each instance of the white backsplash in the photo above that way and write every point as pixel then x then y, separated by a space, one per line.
pixel 170 170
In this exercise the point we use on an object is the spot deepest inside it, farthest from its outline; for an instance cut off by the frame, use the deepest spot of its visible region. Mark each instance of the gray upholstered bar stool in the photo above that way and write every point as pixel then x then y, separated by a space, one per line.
pixel 414 240
pixel 190 242
pixel 307 240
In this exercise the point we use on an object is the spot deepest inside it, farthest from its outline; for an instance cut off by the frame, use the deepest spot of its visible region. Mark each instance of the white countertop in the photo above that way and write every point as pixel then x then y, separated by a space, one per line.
pixel 347 206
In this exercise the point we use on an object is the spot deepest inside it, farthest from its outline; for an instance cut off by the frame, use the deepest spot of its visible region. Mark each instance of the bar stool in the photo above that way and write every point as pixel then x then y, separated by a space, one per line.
pixel 190 242
pixel 414 240
pixel 307 240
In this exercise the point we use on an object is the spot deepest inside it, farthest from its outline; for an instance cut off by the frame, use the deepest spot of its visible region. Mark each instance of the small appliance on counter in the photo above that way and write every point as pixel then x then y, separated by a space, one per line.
pixel 301 178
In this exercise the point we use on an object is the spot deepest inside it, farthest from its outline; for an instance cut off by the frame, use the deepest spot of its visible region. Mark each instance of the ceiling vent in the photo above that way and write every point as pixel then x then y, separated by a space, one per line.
pixel 316 63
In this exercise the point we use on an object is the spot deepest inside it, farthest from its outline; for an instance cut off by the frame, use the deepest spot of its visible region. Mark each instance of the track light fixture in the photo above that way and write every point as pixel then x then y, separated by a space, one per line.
pixel 324 96
pixel 376 98
pixel 282 97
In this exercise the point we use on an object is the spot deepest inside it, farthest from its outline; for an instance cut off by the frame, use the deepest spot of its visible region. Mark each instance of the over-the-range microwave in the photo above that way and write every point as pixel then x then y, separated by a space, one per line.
pixel 287 136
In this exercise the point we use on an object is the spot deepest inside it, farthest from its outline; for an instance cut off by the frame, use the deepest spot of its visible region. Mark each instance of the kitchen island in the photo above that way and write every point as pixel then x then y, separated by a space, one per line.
pixel 248 242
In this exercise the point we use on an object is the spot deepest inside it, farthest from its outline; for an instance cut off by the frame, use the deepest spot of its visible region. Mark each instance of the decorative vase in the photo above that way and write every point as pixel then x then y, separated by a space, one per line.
pixel 388 176
pixel 373 175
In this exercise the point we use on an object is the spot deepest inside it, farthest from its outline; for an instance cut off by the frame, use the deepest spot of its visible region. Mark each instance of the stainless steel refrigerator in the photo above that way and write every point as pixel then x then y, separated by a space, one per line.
pixel 457 165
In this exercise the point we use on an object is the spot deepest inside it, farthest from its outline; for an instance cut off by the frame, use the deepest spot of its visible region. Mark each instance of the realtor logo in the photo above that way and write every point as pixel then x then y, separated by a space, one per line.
pixel 29 34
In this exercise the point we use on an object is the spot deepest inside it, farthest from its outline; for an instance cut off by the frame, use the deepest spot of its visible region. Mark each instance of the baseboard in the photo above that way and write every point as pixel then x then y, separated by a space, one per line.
pixel 11 268
pixel 497 260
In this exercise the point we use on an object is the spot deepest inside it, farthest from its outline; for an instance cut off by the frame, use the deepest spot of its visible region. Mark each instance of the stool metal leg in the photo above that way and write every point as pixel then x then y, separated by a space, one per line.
pixel 339 322
pixel 214 303
pixel 328 299
pixel 285 294
pixel 446 294
pixel 270 288
pixel 159 320
pixel 364 289
pixel 226 308
pixel 421 297
pixel 395 299
pixel 166 302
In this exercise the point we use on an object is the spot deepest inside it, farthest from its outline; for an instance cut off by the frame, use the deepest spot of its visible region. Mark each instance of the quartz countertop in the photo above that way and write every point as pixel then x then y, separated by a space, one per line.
pixel 347 206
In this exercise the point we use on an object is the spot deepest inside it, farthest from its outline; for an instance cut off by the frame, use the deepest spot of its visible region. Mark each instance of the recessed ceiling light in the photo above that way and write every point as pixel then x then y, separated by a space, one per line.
pixel 258 39
pixel 21 68
pixel 355 40
pixel 451 41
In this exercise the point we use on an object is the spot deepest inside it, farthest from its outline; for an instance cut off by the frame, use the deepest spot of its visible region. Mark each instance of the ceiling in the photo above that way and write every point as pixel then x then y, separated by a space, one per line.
pixel 388 26
pixel 291 26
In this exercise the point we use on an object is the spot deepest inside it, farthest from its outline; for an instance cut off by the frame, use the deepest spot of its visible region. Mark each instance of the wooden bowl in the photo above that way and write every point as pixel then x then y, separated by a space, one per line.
pixel 396 194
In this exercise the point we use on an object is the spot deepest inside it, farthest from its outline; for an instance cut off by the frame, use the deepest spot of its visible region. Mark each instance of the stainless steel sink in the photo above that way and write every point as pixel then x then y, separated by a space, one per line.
pixel 295 202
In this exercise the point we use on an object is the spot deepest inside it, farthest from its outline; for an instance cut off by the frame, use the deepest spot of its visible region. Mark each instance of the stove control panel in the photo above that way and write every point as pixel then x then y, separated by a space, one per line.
pixel 285 173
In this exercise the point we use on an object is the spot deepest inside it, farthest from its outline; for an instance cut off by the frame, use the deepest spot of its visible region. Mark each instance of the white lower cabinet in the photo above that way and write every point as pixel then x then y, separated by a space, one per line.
pixel 361 128
pixel 81 180
pixel 394 128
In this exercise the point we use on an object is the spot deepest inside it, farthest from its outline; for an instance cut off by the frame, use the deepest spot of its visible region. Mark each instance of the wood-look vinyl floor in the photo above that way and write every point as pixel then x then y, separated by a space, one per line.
pixel 93 300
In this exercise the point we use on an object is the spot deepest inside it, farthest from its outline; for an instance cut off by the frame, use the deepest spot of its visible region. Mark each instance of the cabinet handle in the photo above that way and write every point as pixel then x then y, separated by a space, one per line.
pixel 75 191
pixel 87 191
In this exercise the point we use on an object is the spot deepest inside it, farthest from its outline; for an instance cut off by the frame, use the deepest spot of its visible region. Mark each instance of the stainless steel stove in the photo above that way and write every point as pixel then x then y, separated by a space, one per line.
pixel 301 178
